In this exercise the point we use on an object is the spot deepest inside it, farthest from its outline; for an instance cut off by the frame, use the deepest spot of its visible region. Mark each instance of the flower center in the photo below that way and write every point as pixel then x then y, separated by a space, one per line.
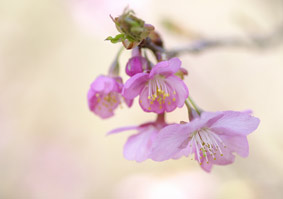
pixel 108 101
pixel 206 143
pixel 158 90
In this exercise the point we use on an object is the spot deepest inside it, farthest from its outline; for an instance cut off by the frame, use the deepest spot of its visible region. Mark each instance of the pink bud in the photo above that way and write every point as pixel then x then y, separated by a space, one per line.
pixel 136 65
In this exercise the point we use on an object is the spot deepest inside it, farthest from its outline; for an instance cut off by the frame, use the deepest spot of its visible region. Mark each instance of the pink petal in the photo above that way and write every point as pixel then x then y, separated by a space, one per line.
pixel 227 158
pixel 129 102
pixel 204 120
pixel 121 129
pixel 138 147
pixel 166 68
pixel 106 111
pixel 205 166
pixel 91 99
pixel 134 85
pixel 234 122
pixel 170 105
pixel 143 100
pixel 180 88
pixel 181 153
pixel 103 84
pixel 168 141
pixel 136 65
pixel 237 143
pixel 118 84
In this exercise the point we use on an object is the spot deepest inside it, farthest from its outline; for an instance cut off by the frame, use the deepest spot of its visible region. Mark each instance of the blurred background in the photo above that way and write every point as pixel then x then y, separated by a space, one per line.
pixel 52 146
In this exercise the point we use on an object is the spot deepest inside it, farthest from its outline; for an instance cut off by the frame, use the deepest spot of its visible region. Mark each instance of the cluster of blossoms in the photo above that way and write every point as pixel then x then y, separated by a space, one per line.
pixel 211 137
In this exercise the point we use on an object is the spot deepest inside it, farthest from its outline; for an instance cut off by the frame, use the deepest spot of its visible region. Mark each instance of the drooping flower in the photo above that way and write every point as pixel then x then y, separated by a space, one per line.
pixel 160 90
pixel 138 147
pixel 212 138
pixel 104 95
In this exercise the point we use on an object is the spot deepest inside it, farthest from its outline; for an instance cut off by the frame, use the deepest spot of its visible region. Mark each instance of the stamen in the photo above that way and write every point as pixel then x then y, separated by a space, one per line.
pixel 206 143
pixel 158 90
pixel 197 150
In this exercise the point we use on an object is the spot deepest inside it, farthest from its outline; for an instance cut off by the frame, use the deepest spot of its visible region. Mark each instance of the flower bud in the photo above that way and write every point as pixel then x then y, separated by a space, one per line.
pixel 136 65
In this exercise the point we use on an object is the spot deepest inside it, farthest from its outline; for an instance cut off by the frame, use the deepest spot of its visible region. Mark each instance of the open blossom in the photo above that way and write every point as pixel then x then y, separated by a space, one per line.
pixel 212 138
pixel 104 95
pixel 160 90
pixel 138 147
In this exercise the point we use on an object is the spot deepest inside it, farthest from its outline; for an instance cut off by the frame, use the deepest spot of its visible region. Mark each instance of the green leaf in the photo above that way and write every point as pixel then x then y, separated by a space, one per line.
pixel 116 39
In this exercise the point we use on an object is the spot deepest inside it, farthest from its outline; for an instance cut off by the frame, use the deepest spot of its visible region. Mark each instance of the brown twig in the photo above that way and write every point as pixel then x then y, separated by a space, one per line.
pixel 201 45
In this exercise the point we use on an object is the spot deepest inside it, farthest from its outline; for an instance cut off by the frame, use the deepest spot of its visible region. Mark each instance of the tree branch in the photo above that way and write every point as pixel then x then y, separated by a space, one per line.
pixel 261 41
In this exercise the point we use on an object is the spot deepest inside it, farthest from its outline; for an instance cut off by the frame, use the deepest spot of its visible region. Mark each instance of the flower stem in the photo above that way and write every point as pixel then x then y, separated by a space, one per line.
pixel 189 109
pixel 161 118
pixel 188 106
pixel 158 51
pixel 115 67
pixel 194 105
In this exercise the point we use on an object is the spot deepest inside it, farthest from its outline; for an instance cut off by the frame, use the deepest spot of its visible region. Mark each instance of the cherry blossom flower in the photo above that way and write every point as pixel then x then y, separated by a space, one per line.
pixel 160 90
pixel 104 95
pixel 138 147
pixel 212 138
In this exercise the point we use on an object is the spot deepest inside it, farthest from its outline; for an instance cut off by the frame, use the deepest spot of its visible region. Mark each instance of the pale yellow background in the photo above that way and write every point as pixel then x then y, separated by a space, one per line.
pixel 52 146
